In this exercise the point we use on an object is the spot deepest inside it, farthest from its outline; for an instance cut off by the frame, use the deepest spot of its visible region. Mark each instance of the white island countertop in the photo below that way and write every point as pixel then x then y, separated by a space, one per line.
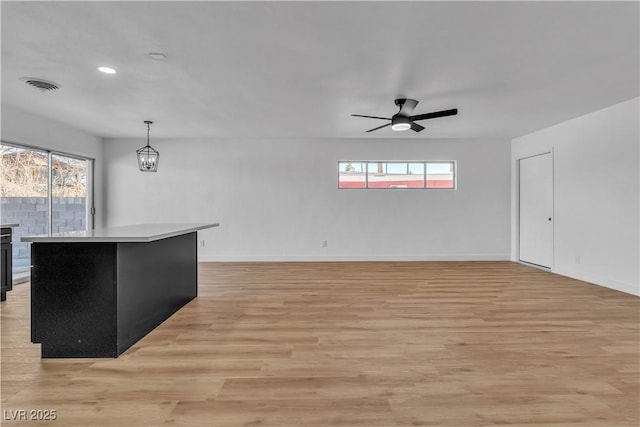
pixel 129 233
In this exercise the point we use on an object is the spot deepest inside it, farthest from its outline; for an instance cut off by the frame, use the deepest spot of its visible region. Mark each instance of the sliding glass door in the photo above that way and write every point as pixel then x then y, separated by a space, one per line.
pixel 70 198
pixel 42 192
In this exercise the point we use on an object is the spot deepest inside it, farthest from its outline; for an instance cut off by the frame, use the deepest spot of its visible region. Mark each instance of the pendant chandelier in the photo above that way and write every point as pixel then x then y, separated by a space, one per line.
pixel 148 157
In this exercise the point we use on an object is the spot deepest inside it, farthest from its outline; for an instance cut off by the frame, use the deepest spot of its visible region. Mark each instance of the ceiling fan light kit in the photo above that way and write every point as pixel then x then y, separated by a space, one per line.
pixel 400 123
pixel 403 120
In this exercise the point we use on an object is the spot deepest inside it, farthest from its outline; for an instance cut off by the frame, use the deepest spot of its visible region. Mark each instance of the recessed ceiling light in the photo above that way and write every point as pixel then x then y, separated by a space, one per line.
pixel 107 70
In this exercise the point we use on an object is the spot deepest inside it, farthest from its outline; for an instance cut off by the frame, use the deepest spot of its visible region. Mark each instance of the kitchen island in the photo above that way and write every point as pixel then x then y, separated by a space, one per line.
pixel 95 293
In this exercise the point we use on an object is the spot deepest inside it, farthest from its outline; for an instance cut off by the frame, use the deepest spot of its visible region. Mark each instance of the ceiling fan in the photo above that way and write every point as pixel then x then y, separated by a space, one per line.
pixel 402 120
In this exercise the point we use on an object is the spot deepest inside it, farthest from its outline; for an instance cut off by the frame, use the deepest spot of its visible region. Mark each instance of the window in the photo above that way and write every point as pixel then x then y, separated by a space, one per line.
pixel 381 174
pixel 395 175
pixel 43 192
pixel 352 175
pixel 440 175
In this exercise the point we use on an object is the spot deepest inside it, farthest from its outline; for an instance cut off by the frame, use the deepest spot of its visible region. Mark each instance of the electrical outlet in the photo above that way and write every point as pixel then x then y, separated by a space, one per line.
pixel 323 243
pixel 578 260
pixel 202 243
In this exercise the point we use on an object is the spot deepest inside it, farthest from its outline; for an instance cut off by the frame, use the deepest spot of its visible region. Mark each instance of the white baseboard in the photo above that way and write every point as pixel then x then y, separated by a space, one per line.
pixel 327 258
pixel 626 287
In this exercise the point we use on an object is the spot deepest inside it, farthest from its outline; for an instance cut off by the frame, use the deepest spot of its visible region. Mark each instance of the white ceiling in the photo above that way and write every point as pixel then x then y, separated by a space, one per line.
pixel 299 69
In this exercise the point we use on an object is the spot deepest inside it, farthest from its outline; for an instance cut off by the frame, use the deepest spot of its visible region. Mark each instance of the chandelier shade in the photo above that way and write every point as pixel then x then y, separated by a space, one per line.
pixel 148 157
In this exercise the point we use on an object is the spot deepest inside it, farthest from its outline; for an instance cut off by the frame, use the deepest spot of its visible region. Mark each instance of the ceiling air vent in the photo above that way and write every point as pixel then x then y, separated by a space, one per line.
pixel 43 85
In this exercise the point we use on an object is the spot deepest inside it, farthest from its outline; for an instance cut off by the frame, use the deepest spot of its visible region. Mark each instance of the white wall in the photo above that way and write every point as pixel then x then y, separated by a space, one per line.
pixel 277 199
pixel 596 194
pixel 25 128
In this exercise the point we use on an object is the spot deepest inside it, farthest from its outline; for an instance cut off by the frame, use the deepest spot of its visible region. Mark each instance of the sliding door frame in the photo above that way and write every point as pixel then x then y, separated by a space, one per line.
pixel 90 210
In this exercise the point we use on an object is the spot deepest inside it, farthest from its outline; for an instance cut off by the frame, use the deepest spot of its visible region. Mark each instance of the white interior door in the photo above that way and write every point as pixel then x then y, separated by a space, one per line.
pixel 536 210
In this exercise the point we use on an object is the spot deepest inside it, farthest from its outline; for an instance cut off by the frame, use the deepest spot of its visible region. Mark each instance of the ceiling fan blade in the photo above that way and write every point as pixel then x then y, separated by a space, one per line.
pixel 416 127
pixel 379 127
pixel 408 107
pixel 435 114
pixel 371 117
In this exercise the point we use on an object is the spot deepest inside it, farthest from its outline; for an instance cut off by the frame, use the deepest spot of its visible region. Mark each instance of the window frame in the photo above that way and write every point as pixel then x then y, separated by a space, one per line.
pixel 424 175
pixel 91 210
pixel 454 172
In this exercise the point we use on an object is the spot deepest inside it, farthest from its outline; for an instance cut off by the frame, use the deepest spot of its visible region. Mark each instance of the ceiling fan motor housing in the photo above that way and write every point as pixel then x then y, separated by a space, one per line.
pixel 400 122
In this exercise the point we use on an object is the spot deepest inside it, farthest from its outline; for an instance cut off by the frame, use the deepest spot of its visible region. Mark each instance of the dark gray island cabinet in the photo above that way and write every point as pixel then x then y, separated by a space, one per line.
pixel 6 259
pixel 96 293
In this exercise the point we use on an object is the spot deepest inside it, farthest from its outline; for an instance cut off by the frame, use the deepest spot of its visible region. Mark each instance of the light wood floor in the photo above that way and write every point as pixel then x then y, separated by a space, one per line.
pixel 352 344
